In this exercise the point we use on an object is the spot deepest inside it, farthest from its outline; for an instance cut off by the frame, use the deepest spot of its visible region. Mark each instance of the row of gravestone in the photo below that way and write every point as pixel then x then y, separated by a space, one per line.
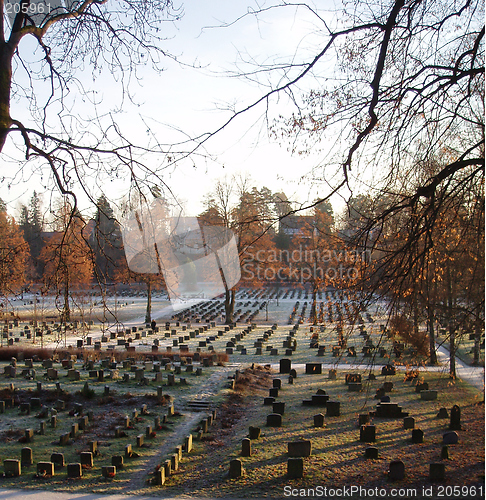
pixel 171 465
pixel 45 469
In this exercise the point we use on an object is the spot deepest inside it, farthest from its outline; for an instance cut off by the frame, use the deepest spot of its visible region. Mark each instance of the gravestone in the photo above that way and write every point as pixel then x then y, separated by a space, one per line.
pixel 443 413
pixel 450 437
pixel 246 448
pixel 332 374
pixel 319 420
pixel 274 420
pixel 367 434
pixel 295 468
pixel 371 452
pixel 301 448
pixel 26 457
pixel 168 468
pixel 117 461
pixel 273 392
pixel 58 460
pixel 188 444
pixel 277 383
pixel 363 419
pixel 45 469
pixel 86 458
pixel 108 471
pixel 254 432
pixel 417 436
pixel 313 368
pixel 174 461
pixel 12 467
pixel 455 421
pixel 408 423
pixel 285 365
pixel 396 471
pixel 422 386
pixel 74 470
pixel 29 435
pixel 279 407
pixel 235 469
pixel 429 395
pixel 333 409
pixel 437 471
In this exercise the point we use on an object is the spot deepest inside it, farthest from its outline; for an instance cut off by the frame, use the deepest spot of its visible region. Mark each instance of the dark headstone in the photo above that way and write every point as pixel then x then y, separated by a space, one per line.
pixel 255 432
pixel 455 422
pixel 396 471
pixel 333 409
pixel 371 452
pixel 417 436
pixel 408 423
pixel 285 365
pixel 274 420
pixel 295 468
pixel 301 448
pixel 367 434
pixel 246 447
pixel 235 469
pixel 319 420
pixel 437 471
pixel 450 437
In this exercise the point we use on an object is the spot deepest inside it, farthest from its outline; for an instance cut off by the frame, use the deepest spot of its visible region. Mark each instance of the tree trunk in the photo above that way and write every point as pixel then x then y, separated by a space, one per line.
pixel 148 313
pixel 452 329
pixel 313 312
pixel 229 306
pixel 430 328
pixel 66 311
pixel 5 85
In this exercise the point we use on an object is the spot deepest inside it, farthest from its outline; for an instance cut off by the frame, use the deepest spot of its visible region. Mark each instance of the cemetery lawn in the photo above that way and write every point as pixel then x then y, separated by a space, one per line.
pixel 337 454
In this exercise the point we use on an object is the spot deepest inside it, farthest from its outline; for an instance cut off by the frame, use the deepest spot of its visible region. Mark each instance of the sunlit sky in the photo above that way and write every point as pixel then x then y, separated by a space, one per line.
pixel 183 101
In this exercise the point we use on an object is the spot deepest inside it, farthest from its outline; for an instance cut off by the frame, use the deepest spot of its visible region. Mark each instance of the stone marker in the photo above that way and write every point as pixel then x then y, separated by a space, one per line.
pixel 396 471
pixel 408 423
pixel 45 468
pixel 333 409
pixel 279 407
pixel 117 461
pixel 74 470
pixel 26 457
pixel 29 435
pixel 285 365
pixel 417 436
pixel 188 444
pixel 437 471
pixel 450 437
pixel 108 471
pixel 455 422
pixel 64 439
pixel 168 468
pixel 430 395
pixel 268 401
pixel 246 448
pixel 371 452
pixel 367 434
pixel 58 460
pixel 128 451
pixel 160 476
pixel 274 420
pixel 86 458
pixel 235 469
pixel 301 448
pixel 444 453
pixel 319 420
pixel 139 440
pixel 295 468
pixel 12 467
pixel 255 432
pixel 443 413
pixel 174 461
